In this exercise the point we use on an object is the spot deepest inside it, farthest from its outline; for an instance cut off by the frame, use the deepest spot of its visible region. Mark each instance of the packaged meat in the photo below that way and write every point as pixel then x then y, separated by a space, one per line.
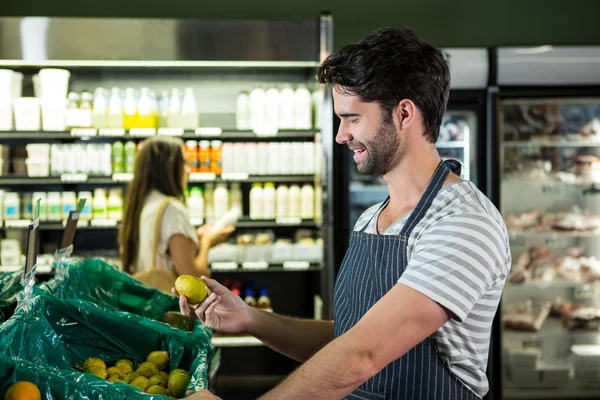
pixel 584 318
pixel 526 220
pixel 528 316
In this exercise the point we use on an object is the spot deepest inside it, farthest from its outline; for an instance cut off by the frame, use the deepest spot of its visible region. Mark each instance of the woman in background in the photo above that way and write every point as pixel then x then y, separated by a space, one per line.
pixel 159 182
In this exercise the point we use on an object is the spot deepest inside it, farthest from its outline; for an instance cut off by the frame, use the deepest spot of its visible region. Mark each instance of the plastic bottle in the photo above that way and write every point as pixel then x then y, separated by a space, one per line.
pixel 256 202
pixel 130 108
pixel 85 110
pixel 286 108
pixel 163 109
pixel 72 111
pixel 130 151
pixel 235 196
pixel 209 208
pixel 82 163
pixel 204 156
pixel 115 204
pixel 242 111
pixel 68 203
pixel 145 114
pixel 221 200
pixel 56 159
pixel 12 206
pixel 118 159
pixel 229 218
pixel 216 165
pixel 273 158
pixel 43 204
pixel 294 207
pixel 174 119
pixel 317 105
pixel 189 110
pixel 269 210
pixel 302 108
pixel 307 195
pixel 249 298
pixel 264 302
pixel 272 109
pixel 227 158
pixel 100 109
pixel 191 155
pixel 86 212
pixel 69 159
pixel 105 158
pixel 262 155
pixel 257 109
pixel 99 206
pixel 27 206
pixel 195 203
pixel 282 201
pixel 115 109
pixel 54 206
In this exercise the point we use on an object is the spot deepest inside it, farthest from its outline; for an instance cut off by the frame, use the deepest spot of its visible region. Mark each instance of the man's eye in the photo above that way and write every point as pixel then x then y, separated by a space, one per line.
pixel 354 121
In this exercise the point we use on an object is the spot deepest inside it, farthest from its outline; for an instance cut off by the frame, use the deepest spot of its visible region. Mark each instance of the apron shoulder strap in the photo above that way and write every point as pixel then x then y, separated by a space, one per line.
pixel 383 205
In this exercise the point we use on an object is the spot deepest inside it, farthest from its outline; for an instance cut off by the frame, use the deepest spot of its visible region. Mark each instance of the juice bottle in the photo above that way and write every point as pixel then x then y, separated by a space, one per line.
pixel 204 156
pixel 118 166
pixel 130 110
pixel 249 298
pixel 215 157
pixel 145 116
pixel 130 150
pixel 191 155
pixel 115 109
pixel 264 303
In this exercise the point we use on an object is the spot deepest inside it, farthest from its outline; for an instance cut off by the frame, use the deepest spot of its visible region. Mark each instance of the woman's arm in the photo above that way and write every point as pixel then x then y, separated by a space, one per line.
pixel 181 251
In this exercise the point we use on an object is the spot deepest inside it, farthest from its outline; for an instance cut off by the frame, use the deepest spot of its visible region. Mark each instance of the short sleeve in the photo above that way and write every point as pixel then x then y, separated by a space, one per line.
pixel 176 221
pixel 458 259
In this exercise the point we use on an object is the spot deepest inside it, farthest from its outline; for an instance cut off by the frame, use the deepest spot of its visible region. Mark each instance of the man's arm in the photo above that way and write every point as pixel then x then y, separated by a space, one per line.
pixel 296 338
pixel 396 323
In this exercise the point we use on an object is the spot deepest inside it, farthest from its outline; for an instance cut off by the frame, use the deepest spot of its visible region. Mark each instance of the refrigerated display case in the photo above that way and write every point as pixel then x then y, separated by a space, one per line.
pixel 216 60
pixel 462 128
pixel 547 139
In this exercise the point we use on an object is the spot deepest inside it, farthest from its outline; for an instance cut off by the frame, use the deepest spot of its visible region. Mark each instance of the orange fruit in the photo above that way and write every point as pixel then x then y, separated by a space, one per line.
pixel 23 391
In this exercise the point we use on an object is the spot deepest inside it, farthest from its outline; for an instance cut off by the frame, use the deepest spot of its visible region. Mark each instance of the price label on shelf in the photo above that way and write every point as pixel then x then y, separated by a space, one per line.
pixel 170 131
pixel 142 132
pixel 17 223
pixel 235 176
pixel 296 265
pixel 288 221
pixel 587 292
pixel 552 189
pixel 83 132
pixel 104 223
pixel 255 265
pixel 111 132
pixel 125 177
pixel 224 266
pixel 82 223
pixel 208 131
pixel 202 177
pixel 73 177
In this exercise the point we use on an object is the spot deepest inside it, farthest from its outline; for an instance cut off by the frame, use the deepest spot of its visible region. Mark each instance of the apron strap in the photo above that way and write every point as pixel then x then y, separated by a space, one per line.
pixel 383 205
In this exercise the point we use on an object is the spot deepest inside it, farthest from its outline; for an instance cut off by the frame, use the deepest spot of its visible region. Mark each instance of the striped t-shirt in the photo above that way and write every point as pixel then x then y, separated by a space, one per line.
pixel 458 256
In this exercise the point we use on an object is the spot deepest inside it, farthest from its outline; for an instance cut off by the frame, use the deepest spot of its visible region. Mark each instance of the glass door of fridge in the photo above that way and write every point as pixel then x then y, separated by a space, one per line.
pixel 550 180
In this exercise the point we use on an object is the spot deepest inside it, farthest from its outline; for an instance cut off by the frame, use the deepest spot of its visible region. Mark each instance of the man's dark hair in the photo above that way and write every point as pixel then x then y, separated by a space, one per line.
pixel 391 65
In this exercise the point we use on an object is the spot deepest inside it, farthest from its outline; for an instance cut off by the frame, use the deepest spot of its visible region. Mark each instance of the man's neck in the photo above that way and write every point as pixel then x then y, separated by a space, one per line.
pixel 409 179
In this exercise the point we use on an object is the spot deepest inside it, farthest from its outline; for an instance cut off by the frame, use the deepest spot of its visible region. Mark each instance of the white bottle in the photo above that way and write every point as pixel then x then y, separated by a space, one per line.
pixel 115 109
pixel 54 206
pixel 282 201
pixel 163 110
pixel 85 110
pixel 302 108
pixel 262 155
pixel 256 201
pixel 189 110
pixel 235 196
pixel 286 158
pixel 99 206
pixel 43 204
pixel 227 158
pixel 273 161
pixel 115 205
pixel 69 159
pixel 221 200
pixel 145 110
pixel 294 206
pixel 174 119
pixel 307 195
pixel 100 109
pixel 12 206
pixel 195 203
pixel 286 108
pixel 251 157
pixel 242 111
pixel 86 212
pixel 72 111
pixel 318 203
pixel 317 105
pixel 56 159
pixel 229 218
pixel 209 209
pixel 306 163
pixel 269 198
pixel 257 109
pixel 68 204
pixel 105 157
pixel 272 110
pixel 81 159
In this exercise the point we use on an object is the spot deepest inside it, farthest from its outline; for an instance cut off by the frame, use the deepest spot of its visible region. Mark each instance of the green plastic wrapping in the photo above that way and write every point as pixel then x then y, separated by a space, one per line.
pixel 100 283
pixel 60 334
pixel 10 288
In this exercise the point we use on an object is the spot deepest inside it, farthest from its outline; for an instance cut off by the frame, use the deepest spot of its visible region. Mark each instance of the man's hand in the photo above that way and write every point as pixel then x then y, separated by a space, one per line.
pixel 201 395
pixel 222 311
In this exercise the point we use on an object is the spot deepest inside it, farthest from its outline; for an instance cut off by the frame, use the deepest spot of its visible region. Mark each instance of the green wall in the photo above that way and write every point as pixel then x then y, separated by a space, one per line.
pixel 444 23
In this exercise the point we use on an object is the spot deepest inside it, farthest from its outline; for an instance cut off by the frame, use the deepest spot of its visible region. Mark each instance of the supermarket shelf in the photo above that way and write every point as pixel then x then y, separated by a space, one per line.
pixel 451 145
pixel 184 64
pixel 552 328
pixel 551 143
pixel 270 268
pixel 260 224
pixel 553 234
pixel 236 341
pixel 92 135
pixel 36 181
pixel 561 392
pixel 556 283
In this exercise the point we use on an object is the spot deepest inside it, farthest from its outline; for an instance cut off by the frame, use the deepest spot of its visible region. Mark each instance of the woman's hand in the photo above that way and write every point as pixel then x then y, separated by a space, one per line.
pixel 222 311
pixel 211 239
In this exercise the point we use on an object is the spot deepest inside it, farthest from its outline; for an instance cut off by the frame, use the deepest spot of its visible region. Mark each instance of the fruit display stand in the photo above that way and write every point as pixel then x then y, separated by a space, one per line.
pixel 61 334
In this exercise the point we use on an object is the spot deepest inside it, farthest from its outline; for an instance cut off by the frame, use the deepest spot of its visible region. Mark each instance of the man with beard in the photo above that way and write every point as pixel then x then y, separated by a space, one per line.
pixel 421 281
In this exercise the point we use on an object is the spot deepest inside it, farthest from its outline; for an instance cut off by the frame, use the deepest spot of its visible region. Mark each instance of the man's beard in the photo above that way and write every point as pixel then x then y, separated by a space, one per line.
pixel 381 151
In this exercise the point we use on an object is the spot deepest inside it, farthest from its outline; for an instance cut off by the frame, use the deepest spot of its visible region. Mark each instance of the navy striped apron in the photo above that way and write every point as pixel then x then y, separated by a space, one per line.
pixel 372 266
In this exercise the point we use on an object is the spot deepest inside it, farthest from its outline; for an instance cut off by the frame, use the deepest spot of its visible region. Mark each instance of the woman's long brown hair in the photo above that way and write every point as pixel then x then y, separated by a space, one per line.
pixel 159 165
